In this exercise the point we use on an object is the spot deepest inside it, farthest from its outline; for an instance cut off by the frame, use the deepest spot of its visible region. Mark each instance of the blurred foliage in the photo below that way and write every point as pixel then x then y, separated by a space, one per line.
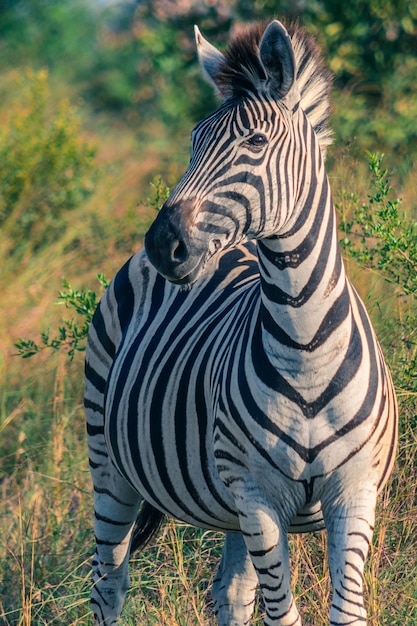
pixel 59 34
pixel 362 40
pixel 46 169
pixel 137 58
pixel 160 193
pixel 70 335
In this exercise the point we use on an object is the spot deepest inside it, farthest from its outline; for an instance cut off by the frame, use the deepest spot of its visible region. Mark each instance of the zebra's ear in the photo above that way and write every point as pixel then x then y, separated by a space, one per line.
pixel 277 56
pixel 211 60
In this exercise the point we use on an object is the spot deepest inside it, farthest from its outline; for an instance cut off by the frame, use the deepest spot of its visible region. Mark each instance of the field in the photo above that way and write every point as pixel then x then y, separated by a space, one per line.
pixel 80 184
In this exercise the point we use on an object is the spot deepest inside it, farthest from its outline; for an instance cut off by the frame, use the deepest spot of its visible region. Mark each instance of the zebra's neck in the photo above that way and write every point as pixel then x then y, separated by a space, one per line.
pixel 305 310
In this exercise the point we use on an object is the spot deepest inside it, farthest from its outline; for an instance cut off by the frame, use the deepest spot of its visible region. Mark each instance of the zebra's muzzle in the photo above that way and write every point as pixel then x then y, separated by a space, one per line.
pixel 169 247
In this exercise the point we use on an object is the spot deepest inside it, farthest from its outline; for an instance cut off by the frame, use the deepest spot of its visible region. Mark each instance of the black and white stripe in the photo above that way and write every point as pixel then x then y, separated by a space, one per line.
pixel 233 379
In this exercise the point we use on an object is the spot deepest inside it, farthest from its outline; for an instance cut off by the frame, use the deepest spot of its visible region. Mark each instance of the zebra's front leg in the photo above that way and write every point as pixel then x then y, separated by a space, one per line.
pixel 349 525
pixel 266 540
pixel 116 507
pixel 235 584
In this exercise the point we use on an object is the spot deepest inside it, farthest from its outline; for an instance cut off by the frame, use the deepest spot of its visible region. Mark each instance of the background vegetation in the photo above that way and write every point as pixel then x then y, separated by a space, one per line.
pixel 97 101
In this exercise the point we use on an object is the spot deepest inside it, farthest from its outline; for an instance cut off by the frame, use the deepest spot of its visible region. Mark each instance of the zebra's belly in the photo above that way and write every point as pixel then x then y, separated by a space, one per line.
pixel 161 440
pixel 160 409
pixel 165 453
pixel 173 467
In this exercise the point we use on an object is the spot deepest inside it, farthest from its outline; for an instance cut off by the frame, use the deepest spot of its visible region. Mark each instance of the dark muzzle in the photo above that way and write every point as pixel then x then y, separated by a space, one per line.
pixel 168 244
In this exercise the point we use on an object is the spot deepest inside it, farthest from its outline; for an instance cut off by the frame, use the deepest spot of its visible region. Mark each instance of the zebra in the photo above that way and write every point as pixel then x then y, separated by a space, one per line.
pixel 233 378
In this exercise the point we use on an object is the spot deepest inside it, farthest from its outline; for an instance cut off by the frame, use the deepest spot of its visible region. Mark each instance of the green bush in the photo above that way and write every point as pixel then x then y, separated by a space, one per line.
pixel 46 169
pixel 140 62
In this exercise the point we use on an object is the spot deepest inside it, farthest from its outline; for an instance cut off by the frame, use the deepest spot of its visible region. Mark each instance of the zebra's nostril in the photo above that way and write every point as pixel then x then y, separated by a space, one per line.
pixel 179 252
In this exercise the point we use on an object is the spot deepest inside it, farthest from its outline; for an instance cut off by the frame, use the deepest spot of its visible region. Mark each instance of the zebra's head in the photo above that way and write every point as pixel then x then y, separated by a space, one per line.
pixel 248 156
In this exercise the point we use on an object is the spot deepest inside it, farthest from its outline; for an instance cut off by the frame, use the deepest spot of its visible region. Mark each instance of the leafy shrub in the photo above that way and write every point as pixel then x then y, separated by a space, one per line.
pixel 141 58
pixel 46 169
pixel 71 334
pixel 382 238
pixel 369 47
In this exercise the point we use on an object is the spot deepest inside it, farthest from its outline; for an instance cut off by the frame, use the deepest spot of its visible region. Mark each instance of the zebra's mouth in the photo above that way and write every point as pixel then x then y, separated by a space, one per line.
pixel 178 251
pixel 169 247
pixel 191 276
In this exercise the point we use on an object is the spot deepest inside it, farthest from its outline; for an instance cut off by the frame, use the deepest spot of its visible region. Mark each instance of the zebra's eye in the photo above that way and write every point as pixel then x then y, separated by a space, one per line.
pixel 256 142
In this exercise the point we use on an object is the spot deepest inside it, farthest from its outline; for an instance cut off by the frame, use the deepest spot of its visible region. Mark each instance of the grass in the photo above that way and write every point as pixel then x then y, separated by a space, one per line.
pixel 45 502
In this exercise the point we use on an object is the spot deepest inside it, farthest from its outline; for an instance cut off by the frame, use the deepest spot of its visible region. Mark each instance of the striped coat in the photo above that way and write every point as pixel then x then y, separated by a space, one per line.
pixel 233 379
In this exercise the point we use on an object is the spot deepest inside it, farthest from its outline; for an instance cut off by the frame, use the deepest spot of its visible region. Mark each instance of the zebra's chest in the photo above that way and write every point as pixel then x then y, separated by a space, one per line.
pixel 301 429
pixel 167 394
pixel 160 401
pixel 190 383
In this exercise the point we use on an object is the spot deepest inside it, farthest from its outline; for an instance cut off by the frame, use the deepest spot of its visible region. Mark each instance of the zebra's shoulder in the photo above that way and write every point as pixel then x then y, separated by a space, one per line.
pixel 138 290
pixel 116 307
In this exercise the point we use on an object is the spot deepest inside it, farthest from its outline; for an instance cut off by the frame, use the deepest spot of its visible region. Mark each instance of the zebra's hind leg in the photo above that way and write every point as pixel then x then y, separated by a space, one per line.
pixel 116 507
pixel 235 583
pixel 349 523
